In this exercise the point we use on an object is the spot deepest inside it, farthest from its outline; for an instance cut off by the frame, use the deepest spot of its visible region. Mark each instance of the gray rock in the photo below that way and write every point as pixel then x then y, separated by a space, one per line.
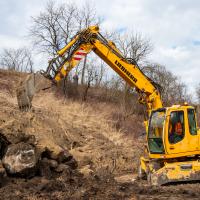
pixel 20 159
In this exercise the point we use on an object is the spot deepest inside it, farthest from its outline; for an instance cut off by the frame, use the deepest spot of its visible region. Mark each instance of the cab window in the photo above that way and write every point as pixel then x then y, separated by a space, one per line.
pixel 155 135
pixel 192 122
pixel 176 129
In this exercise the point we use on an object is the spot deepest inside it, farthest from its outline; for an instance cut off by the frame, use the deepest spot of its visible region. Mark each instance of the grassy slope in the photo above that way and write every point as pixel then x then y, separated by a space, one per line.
pixel 87 129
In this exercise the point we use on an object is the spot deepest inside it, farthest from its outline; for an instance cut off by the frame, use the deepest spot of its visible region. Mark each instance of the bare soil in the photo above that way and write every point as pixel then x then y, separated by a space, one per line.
pixel 106 154
pixel 77 187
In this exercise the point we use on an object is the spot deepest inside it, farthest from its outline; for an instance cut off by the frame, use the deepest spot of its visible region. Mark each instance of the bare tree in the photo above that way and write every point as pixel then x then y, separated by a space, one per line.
pixel 198 92
pixel 17 59
pixel 173 90
pixel 135 48
pixel 53 27
pixel 91 75
pixel 86 16
pixel 99 74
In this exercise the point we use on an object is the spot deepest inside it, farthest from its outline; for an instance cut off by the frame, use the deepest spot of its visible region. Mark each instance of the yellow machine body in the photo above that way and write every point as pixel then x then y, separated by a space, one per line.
pixel 172 156
pixel 189 143
pixel 172 135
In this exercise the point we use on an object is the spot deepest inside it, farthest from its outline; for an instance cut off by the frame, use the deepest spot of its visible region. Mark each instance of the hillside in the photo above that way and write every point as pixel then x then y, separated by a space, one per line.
pixel 106 154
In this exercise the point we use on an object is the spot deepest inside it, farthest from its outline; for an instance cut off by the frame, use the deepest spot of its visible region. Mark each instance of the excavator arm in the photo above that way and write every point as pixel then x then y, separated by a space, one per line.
pixel 83 43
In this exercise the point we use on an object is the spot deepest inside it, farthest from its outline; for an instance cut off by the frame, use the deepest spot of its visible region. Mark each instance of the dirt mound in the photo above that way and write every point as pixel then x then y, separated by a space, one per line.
pixel 9 79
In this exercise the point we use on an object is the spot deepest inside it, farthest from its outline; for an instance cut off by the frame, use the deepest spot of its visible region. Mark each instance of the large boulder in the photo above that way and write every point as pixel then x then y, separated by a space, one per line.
pixel 20 159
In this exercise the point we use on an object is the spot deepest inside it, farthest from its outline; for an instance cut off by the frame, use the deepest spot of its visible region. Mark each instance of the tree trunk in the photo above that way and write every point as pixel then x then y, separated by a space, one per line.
pixel 83 70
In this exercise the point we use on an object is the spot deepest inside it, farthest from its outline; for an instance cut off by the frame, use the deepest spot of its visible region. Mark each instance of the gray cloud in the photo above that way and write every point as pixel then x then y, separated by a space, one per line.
pixel 172 26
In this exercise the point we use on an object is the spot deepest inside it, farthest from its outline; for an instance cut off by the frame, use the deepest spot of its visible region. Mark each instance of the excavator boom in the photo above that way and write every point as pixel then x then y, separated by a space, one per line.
pixel 83 43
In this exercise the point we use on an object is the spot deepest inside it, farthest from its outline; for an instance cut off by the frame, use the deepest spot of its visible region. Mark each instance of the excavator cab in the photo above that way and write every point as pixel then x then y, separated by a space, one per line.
pixel 173 131
pixel 173 146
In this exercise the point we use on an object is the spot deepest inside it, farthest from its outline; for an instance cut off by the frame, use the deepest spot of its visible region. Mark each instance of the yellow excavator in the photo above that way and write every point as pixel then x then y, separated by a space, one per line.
pixel 172 136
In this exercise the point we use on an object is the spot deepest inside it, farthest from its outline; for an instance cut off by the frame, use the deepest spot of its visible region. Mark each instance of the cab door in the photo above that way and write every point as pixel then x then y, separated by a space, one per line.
pixel 191 127
pixel 175 140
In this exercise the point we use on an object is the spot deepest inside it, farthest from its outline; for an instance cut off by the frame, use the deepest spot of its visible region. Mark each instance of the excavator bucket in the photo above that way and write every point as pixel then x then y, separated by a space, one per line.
pixel 27 89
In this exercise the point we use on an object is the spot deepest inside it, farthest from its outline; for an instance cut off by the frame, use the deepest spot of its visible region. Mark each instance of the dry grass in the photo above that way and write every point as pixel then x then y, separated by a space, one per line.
pixel 91 133
pixel 86 129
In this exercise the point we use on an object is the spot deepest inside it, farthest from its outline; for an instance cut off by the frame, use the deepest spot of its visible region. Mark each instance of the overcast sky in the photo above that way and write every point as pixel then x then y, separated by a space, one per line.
pixel 172 26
